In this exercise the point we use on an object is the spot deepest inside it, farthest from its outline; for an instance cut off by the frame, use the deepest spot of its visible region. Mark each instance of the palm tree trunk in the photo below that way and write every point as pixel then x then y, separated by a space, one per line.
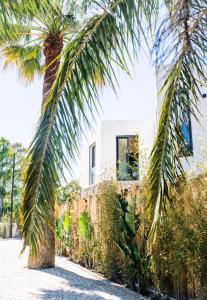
pixel 45 257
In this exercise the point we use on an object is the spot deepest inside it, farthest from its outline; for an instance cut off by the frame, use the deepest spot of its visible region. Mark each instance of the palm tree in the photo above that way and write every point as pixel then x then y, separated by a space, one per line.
pixel 71 48
pixel 35 45
pixel 72 63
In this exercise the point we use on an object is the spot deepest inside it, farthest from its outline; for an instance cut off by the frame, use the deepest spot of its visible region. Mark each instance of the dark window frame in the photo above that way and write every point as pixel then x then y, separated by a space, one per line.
pixel 117 157
pixel 91 147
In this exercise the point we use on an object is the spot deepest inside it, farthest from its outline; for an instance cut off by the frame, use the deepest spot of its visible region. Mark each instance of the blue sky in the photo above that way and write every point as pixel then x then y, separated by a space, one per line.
pixel 20 104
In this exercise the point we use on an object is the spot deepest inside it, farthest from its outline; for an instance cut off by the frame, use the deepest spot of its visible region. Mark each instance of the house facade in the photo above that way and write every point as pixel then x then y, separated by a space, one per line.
pixel 113 151
pixel 120 149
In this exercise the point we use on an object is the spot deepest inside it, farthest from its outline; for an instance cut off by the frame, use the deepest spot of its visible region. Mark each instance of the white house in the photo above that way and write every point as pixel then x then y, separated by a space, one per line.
pixel 107 152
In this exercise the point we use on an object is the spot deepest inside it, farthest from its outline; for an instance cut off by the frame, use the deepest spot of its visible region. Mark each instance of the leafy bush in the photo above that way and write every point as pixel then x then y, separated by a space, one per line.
pixel 59 228
pixel 86 231
pixel 108 262
pixel 67 223
pixel 134 252
pixel 85 227
pixel 68 193
pixel 180 251
pixel 64 231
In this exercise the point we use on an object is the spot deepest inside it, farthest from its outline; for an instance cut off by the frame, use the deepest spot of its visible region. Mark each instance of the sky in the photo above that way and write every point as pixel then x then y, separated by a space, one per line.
pixel 19 107
pixel 20 104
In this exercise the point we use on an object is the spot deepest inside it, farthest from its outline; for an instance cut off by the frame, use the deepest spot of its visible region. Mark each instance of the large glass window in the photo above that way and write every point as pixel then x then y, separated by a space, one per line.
pixel 127 157
pixel 92 164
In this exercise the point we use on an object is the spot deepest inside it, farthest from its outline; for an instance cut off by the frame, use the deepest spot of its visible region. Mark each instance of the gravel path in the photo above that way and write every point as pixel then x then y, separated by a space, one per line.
pixel 66 281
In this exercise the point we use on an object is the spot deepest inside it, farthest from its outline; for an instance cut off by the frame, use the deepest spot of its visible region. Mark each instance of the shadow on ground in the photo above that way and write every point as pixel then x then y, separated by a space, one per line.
pixel 81 288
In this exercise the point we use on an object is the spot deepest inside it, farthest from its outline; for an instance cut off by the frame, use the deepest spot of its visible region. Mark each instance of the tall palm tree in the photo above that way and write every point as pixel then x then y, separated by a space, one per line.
pixel 70 48
pixel 35 45
pixel 70 92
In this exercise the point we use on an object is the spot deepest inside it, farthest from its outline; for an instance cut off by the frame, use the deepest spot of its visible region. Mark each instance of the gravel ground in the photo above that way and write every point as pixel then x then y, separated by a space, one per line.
pixel 66 281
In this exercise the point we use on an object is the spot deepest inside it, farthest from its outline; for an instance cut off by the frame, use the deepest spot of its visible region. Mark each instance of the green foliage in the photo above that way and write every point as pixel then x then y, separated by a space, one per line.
pixel 63 230
pixel 108 228
pixel 130 227
pixel 181 243
pixel 85 227
pixel 67 223
pixel 86 232
pixel 5 167
pixel 59 228
pixel 26 58
pixel 133 251
pixel 69 192
pixel 7 151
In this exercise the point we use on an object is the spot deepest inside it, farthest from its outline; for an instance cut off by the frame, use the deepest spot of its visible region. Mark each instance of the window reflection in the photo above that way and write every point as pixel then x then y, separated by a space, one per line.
pixel 127 158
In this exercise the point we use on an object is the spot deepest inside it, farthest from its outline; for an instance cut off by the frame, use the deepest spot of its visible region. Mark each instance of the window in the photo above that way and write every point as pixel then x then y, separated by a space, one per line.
pixel 92 164
pixel 127 157
pixel 186 131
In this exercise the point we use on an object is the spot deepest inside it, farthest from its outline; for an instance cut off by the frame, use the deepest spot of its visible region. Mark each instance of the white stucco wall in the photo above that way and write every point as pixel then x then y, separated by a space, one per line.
pixel 105 139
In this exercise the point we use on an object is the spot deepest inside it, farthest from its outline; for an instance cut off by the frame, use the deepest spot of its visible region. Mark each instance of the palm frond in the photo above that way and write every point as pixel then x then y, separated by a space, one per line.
pixel 11 33
pixel 183 43
pixel 103 40
pixel 12 21
pixel 28 60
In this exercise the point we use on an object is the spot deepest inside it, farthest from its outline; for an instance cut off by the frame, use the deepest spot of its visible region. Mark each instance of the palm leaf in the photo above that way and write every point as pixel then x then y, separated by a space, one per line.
pixel 103 40
pixel 28 60
pixel 10 32
pixel 12 21
pixel 184 40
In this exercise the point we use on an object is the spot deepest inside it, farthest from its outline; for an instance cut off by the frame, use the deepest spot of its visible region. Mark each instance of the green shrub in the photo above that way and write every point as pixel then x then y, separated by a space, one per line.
pixel 108 262
pixel 64 232
pixel 67 223
pixel 68 193
pixel 59 229
pixel 86 233
pixel 180 251
pixel 134 252
pixel 85 227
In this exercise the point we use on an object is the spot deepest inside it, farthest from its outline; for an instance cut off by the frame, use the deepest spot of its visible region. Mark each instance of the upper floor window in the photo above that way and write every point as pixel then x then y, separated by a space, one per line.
pixel 127 157
pixel 92 164
pixel 186 131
